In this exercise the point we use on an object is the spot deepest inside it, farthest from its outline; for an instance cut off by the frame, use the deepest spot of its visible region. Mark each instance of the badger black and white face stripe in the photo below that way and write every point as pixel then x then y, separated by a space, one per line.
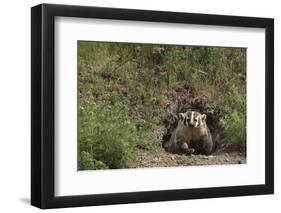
pixel 192 118
pixel 183 118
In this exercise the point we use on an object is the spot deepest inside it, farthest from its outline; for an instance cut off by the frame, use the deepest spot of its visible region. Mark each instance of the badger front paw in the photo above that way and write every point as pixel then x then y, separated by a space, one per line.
pixel 186 150
pixel 190 151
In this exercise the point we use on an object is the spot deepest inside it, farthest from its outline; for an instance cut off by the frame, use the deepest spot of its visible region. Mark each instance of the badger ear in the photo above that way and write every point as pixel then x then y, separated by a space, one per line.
pixel 203 117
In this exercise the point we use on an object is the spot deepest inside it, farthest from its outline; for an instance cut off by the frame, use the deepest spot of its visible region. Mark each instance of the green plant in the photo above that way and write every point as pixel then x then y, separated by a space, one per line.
pixel 234 119
pixel 88 163
pixel 106 132
pixel 234 125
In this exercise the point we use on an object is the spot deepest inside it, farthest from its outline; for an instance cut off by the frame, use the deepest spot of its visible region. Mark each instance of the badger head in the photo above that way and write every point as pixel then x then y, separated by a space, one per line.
pixel 192 119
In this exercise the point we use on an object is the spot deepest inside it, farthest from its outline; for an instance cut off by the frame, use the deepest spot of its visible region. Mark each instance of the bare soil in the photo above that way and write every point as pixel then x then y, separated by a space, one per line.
pixel 159 158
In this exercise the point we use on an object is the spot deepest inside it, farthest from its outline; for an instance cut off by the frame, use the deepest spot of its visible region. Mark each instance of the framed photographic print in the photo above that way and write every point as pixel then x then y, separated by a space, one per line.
pixel 140 106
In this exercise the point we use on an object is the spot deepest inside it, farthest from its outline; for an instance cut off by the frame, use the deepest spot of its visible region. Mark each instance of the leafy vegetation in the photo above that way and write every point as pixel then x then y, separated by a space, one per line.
pixel 107 134
pixel 234 120
pixel 88 163
pixel 125 90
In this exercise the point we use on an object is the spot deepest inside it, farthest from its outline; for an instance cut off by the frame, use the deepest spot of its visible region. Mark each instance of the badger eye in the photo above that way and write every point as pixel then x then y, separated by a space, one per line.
pixel 195 119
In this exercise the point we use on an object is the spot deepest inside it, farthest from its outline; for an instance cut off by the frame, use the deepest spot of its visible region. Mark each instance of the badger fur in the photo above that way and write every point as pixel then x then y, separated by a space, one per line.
pixel 191 135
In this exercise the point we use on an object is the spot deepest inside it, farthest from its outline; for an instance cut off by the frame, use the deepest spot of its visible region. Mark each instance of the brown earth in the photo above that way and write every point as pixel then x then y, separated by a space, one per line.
pixel 159 158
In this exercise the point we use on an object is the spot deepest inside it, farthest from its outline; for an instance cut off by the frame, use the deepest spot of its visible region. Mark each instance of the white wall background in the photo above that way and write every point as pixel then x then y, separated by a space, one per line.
pixel 15 105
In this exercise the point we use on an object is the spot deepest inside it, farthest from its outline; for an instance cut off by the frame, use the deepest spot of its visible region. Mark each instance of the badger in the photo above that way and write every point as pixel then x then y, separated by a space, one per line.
pixel 191 135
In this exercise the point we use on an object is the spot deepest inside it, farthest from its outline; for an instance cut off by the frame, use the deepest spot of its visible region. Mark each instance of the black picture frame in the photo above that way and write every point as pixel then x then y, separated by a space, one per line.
pixel 43 105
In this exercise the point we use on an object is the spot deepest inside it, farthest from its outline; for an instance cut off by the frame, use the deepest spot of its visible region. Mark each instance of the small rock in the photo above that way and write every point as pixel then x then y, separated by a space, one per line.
pixel 208 157
pixel 211 157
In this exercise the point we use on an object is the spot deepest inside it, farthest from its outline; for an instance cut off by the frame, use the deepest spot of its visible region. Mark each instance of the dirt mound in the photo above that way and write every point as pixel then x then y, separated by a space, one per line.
pixel 184 99
pixel 160 158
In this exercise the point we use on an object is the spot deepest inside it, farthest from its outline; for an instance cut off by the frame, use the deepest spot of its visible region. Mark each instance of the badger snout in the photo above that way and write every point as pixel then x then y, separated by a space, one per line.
pixel 191 125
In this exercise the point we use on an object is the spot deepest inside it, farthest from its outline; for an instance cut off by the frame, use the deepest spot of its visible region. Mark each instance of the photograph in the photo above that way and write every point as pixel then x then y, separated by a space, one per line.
pixel 143 105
